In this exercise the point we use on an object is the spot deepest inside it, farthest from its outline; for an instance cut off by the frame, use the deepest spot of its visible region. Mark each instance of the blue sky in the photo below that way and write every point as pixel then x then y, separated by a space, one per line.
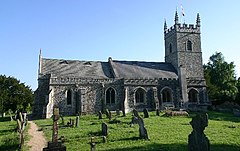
pixel 98 29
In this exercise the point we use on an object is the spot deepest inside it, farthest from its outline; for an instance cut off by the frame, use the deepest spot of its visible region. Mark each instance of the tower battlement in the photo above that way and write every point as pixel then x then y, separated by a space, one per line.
pixel 183 28
pixel 178 27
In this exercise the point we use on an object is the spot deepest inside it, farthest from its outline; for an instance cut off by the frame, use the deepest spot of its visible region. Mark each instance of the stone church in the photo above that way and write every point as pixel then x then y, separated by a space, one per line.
pixel 82 87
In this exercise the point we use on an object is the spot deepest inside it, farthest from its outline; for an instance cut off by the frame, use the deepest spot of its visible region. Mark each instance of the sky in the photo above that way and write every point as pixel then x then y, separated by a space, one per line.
pixel 97 29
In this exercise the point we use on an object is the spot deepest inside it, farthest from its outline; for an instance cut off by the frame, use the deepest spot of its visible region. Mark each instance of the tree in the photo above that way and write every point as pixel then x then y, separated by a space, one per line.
pixel 220 79
pixel 14 95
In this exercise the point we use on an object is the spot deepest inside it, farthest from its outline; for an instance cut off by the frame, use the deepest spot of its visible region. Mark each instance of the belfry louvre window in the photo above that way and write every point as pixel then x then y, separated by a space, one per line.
pixel 140 95
pixel 189 45
pixel 69 97
pixel 110 96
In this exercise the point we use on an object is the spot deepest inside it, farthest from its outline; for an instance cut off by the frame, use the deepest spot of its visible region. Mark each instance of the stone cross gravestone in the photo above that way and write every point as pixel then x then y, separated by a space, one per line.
pixel 55 145
pixel 104 129
pixel 197 140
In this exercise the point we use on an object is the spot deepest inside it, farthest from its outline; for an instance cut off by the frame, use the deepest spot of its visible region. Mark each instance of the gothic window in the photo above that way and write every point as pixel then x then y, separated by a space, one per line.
pixel 110 96
pixel 170 48
pixel 189 45
pixel 193 95
pixel 69 97
pixel 166 95
pixel 140 95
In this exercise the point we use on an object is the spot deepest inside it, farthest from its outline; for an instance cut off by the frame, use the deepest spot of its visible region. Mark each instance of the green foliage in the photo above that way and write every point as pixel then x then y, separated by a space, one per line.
pixel 166 133
pixel 14 95
pixel 220 78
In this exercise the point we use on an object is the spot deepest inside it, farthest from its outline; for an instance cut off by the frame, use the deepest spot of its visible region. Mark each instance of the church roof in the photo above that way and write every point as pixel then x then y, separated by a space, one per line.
pixel 141 69
pixel 75 68
pixel 104 70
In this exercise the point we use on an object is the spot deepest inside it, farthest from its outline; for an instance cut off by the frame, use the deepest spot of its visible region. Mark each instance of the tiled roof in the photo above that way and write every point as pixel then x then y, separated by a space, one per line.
pixel 141 69
pixel 102 70
pixel 74 68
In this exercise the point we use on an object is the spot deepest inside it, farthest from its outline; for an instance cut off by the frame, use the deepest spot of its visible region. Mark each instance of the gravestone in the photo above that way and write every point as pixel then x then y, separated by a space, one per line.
pixel 104 139
pixel 134 121
pixel 110 115
pixel 157 112
pixel 142 130
pixel 77 121
pixel 145 112
pixel 72 124
pixel 107 113
pixel 104 129
pixel 118 112
pixel 55 145
pixel 135 113
pixel 197 140
pixel 99 115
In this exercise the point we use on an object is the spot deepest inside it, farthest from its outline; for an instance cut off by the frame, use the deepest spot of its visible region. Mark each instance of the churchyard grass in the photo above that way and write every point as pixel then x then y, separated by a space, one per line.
pixel 165 133
pixel 9 138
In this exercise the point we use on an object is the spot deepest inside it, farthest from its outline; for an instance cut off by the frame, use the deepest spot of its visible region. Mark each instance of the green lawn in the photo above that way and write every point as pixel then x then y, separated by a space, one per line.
pixel 166 133
pixel 9 139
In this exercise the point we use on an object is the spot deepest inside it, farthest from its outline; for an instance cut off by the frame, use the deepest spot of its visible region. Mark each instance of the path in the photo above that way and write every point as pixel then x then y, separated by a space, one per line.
pixel 37 141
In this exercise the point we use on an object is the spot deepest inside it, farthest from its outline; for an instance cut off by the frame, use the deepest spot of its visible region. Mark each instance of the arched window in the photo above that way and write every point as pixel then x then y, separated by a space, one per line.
pixel 170 48
pixel 166 95
pixel 110 96
pixel 69 97
pixel 140 95
pixel 193 95
pixel 189 45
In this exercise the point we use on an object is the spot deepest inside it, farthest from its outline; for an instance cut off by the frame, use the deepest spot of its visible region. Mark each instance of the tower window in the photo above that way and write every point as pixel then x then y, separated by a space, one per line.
pixel 69 97
pixel 189 45
pixel 110 96
pixel 170 48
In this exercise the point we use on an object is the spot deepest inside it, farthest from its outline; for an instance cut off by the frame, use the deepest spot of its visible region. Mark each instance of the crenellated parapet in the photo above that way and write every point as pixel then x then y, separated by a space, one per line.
pixel 182 28
pixel 178 27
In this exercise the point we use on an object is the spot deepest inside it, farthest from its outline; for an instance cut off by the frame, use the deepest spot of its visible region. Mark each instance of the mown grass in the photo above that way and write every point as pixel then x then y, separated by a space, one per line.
pixel 9 138
pixel 166 133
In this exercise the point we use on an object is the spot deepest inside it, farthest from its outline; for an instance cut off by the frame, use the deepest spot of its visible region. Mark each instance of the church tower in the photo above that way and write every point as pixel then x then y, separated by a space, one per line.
pixel 183 51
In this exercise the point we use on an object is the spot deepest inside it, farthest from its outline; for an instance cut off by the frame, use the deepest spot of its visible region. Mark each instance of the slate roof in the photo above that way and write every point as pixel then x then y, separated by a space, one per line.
pixel 75 68
pixel 141 69
pixel 104 70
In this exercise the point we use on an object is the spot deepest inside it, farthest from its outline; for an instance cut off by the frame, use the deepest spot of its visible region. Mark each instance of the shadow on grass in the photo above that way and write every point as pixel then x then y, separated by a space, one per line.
pixel 4 119
pixel 175 147
pixel 7 147
pixel 219 116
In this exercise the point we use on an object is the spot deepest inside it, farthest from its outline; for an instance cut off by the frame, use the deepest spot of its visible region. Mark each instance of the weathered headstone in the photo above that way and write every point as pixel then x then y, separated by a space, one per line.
pixel 135 113
pixel 145 112
pixel 134 120
pixel 55 145
pixel 104 129
pixel 197 140
pixel 142 130
pixel 118 112
pixel 77 121
pixel 110 115
pixel 157 112
pixel 99 115
pixel 107 113
pixel 72 124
